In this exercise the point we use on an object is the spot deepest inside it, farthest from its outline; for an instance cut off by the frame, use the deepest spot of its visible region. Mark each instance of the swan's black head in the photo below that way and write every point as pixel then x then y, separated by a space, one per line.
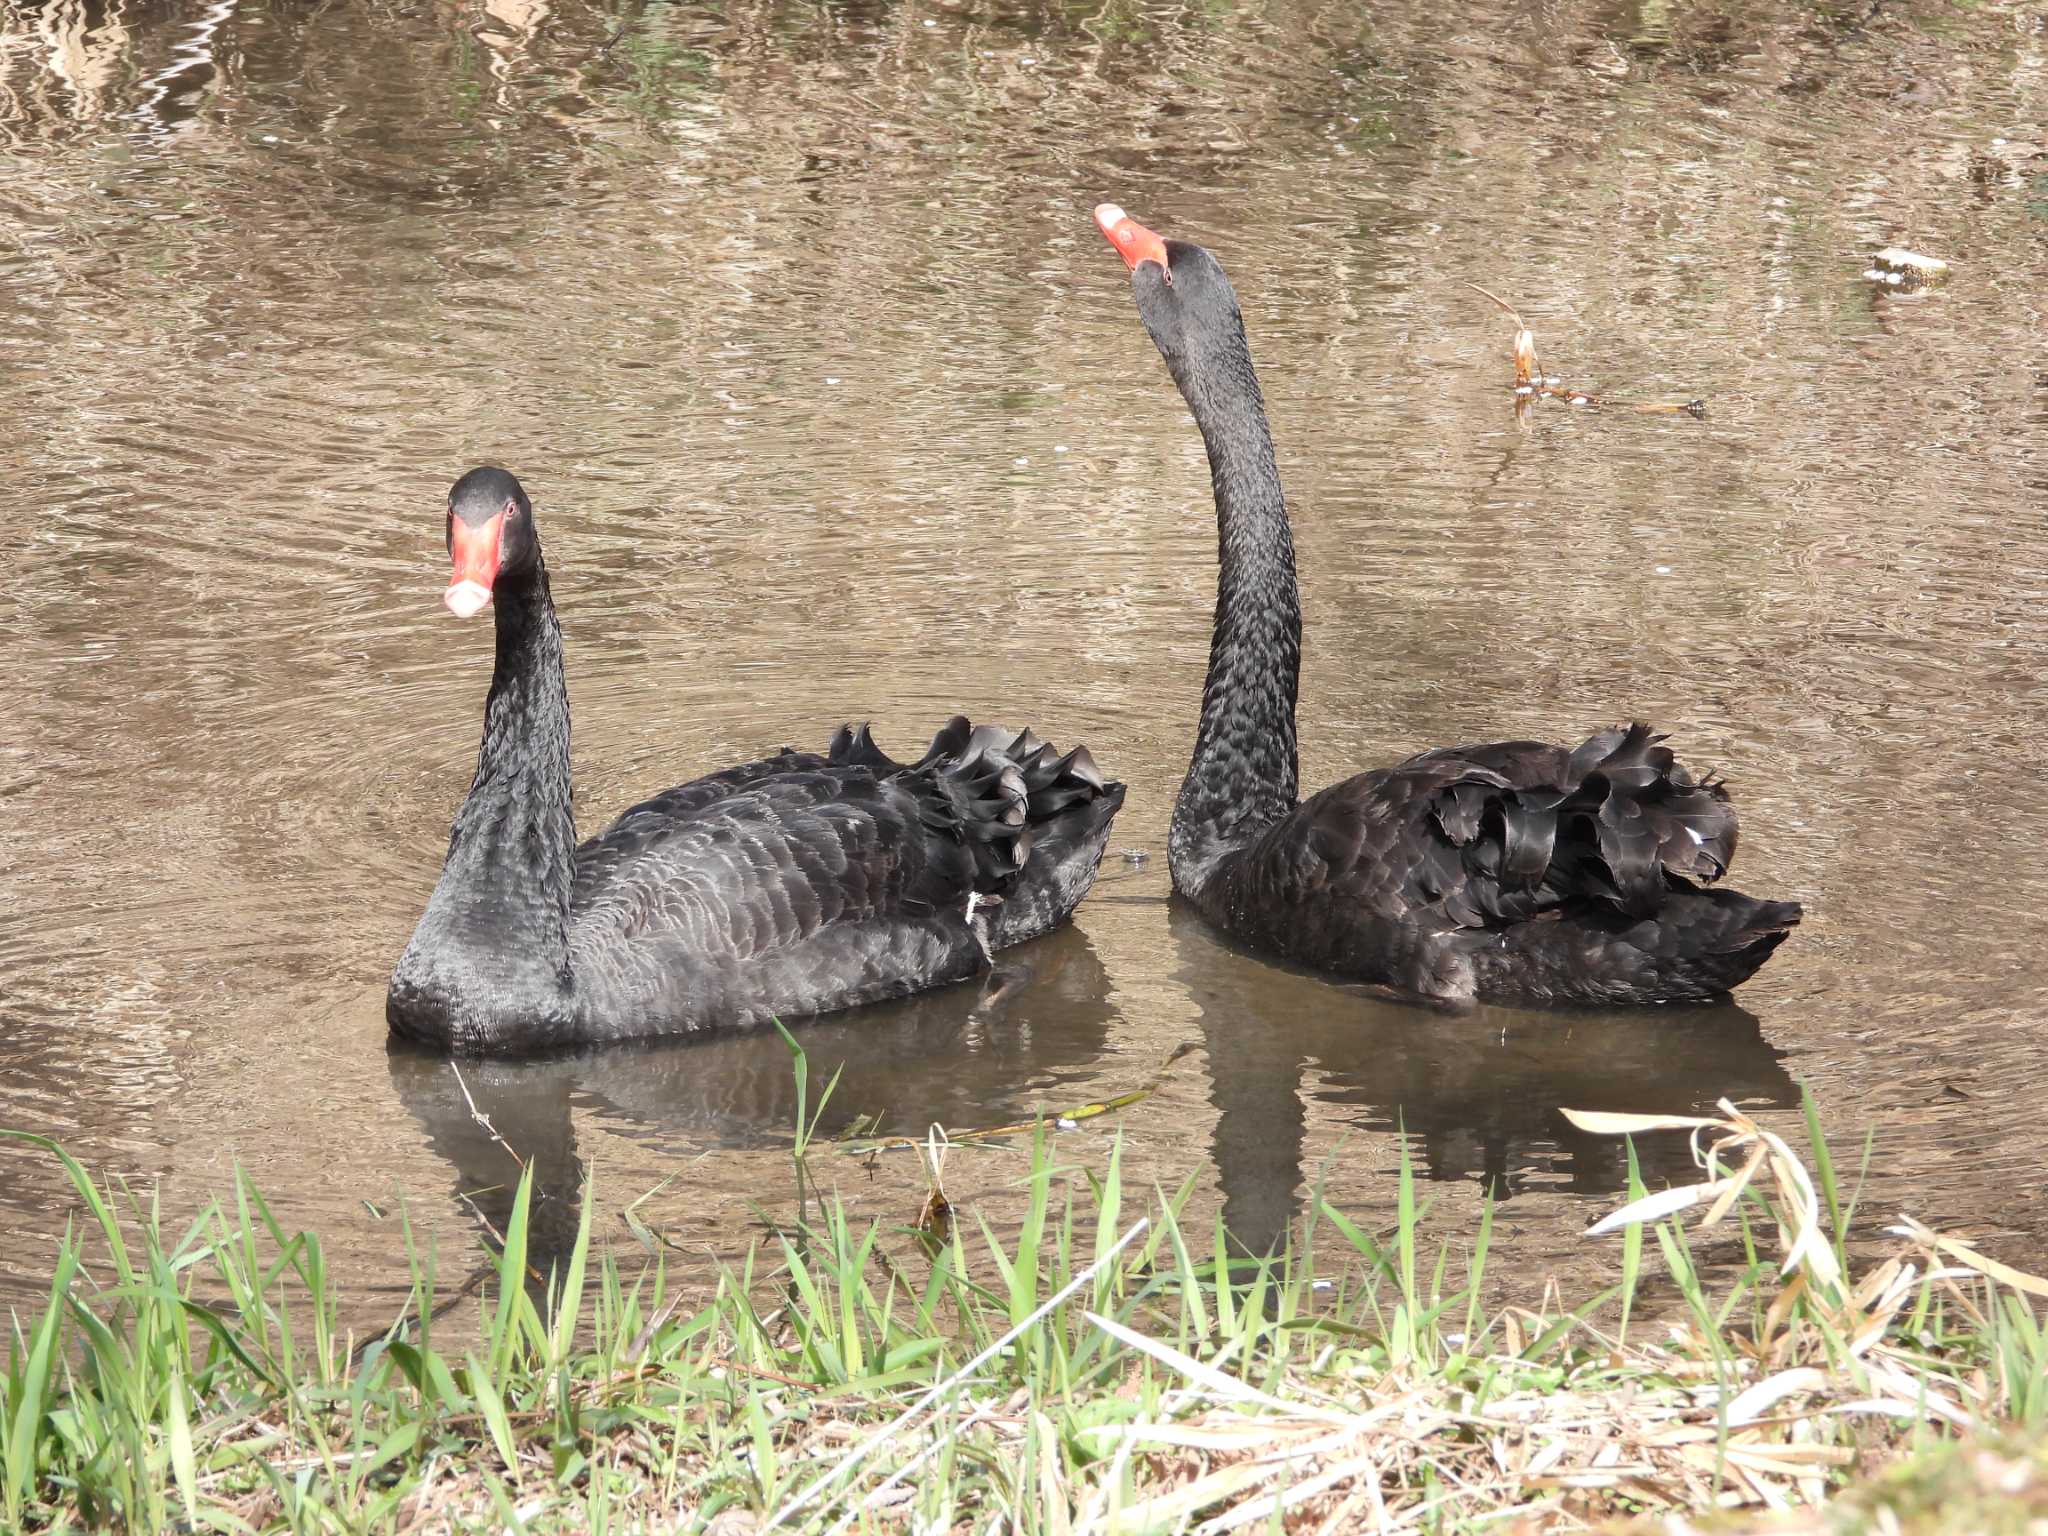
pixel 490 537
pixel 1183 297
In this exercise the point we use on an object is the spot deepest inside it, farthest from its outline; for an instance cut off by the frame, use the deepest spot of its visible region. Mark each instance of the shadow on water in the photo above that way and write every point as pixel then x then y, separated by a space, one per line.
pixel 1478 1092
pixel 973 1054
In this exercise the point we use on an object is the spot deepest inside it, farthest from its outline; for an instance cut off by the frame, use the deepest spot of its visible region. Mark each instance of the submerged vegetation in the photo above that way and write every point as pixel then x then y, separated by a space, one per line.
pixel 1108 1366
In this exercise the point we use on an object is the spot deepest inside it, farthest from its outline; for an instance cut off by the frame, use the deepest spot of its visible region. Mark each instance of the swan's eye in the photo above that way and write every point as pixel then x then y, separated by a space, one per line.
pixel 511 511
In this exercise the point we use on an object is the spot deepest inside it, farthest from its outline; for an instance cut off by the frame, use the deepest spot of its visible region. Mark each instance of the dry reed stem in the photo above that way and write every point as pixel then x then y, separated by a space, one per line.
pixel 1531 383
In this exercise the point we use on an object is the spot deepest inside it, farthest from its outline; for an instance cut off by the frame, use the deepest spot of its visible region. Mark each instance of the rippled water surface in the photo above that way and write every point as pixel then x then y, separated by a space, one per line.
pixel 834 405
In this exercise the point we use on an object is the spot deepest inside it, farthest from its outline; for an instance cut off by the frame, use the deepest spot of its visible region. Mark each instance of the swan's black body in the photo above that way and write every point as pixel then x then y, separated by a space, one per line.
pixel 1516 871
pixel 797 885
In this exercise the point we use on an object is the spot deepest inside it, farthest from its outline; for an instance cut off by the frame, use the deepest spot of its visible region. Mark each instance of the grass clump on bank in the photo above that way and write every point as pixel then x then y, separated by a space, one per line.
pixel 1107 1368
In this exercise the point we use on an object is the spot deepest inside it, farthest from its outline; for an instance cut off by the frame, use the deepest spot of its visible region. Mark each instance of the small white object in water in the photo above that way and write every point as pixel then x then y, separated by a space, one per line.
pixel 1322 1285
pixel 1898 259
pixel 1059 447
pixel 1663 570
pixel 931 23
pixel 1897 267
pixel 1020 463
pixel 830 380
pixel 1066 1123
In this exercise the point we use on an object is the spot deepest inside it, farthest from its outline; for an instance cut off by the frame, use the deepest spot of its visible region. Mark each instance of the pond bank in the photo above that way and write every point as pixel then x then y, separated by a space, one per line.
pixel 1109 1369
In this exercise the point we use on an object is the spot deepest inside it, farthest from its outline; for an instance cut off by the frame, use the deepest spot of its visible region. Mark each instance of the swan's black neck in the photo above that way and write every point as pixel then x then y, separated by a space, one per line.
pixel 495 935
pixel 516 833
pixel 1243 776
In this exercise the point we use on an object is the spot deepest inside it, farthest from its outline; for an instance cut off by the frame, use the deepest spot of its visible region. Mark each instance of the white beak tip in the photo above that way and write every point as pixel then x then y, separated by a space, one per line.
pixel 466 598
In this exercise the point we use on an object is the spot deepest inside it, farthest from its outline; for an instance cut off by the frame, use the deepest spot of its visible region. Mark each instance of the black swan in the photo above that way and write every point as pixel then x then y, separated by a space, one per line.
pixel 797 885
pixel 1516 872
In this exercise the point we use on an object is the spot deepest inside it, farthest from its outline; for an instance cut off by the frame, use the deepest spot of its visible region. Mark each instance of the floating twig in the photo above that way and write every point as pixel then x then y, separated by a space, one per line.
pixel 1065 1120
pixel 604 48
pixel 483 1119
pixel 1532 383
pixel 1528 372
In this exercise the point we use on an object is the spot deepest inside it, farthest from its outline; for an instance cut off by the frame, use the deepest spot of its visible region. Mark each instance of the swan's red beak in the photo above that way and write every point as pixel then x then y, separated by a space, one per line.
pixel 475 552
pixel 1133 241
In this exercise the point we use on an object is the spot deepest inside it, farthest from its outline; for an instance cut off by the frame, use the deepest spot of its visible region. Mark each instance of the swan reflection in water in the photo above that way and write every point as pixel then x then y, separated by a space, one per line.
pixel 975 1054
pixel 1478 1092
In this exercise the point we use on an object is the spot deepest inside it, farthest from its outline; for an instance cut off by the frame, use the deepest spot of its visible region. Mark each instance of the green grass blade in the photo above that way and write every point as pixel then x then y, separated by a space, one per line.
pixel 504 1333
pixel 569 1303
pixel 24 1433
pixel 184 1465
pixel 492 1406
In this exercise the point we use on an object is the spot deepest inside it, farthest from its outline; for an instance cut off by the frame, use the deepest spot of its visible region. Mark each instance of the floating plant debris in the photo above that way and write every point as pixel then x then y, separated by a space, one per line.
pixel 1532 383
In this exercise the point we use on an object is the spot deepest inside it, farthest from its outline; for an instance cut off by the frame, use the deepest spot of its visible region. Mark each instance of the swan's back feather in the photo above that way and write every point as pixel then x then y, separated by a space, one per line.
pixel 1512 870
pixel 804 883
pixel 1615 820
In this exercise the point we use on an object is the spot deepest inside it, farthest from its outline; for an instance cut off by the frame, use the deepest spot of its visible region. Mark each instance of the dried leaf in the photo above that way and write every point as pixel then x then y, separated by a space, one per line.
pixel 1169 1510
pixel 1887 1407
pixel 1655 1207
pixel 1736 1182
pixel 1752 1403
pixel 1525 358
pixel 2004 1274
pixel 1207 1376
pixel 1600 1122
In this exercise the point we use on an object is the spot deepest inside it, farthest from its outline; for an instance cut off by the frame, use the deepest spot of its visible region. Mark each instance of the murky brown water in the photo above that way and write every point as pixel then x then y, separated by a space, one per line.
pixel 835 406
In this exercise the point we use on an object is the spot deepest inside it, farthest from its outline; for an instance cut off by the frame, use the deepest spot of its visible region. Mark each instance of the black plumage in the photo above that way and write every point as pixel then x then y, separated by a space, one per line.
pixel 797 885
pixel 1517 871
